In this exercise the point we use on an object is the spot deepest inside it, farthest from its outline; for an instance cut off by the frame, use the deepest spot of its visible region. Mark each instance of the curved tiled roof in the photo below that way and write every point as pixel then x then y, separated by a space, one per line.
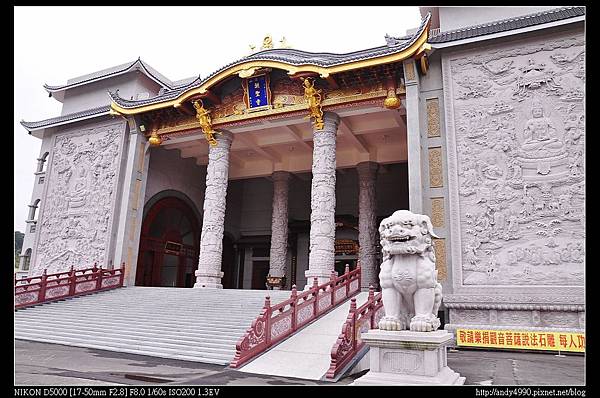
pixel 284 55
pixel 117 70
pixel 71 117
pixel 504 25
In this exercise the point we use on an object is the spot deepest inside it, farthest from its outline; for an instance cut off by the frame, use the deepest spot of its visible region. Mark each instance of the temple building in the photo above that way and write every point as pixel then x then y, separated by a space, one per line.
pixel 278 167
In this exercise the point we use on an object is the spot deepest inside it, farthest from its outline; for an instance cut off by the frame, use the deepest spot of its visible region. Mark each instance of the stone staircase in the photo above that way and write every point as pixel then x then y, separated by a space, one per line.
pixel 200 325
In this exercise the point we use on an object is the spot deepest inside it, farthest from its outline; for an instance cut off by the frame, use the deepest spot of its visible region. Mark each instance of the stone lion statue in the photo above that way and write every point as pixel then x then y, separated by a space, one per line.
pixel 410 290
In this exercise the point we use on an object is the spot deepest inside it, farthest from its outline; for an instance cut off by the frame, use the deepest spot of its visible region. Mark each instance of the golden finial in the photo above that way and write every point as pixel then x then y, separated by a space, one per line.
pixel 313 97
pixel 203 116
pixel 392 101
pixel 283 43
pixel 154 139
pixel 267 43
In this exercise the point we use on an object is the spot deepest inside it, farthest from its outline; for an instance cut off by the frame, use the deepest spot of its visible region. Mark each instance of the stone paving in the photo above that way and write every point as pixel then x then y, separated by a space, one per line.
pixel 52 364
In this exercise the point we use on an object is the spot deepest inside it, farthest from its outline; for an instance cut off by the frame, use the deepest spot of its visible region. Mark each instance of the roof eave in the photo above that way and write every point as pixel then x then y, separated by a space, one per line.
pixel 415 48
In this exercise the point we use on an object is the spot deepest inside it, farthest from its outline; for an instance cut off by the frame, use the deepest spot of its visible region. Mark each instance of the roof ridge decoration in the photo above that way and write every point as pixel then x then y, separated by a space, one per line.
pixel 292 60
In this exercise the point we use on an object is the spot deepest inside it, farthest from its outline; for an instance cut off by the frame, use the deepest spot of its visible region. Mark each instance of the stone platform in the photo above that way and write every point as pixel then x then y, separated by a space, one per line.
pixel 408 358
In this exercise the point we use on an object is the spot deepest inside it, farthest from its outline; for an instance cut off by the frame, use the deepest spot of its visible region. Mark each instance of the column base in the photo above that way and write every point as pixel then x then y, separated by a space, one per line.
pixel 208 281
pixel 323 276
pixel 276 282
pixel 408 358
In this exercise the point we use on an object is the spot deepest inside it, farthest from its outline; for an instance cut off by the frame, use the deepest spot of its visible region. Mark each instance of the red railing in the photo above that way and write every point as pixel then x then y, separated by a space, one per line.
pixel 49 287
pixel 359 320
pixel 277 322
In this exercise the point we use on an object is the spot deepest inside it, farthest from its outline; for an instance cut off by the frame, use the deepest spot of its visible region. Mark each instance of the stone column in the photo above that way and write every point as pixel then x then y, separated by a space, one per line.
pixel 209 272
pixel 413 138
pixel 367 223
pixel 322 203
pixel 279 230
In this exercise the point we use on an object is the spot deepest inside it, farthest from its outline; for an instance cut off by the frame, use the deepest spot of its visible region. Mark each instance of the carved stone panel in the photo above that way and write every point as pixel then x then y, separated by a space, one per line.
pixel 518 148
pixel 436 179
pixel 76 222
pixel 437 212
pixel 439 245
pixel 433 117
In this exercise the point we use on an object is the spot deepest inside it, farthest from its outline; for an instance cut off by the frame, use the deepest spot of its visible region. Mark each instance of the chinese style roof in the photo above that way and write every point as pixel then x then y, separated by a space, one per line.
pixel 504 25
pixel 138 64
pixel 292 60
pixel 71 117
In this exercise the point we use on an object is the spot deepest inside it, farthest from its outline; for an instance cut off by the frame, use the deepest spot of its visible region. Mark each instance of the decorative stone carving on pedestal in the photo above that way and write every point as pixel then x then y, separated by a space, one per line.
pixel 209 272
pixel 322 204
pixel 367 227
pixel 411 298
pixel 79 204
pixel 279 230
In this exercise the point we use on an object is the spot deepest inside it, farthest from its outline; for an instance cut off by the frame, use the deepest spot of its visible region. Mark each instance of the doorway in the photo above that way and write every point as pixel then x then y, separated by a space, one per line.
pixel 169 245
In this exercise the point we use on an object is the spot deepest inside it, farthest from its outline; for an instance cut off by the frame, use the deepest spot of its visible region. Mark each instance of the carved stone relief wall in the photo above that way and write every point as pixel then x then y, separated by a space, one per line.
pixel 76 222
pixel 518 123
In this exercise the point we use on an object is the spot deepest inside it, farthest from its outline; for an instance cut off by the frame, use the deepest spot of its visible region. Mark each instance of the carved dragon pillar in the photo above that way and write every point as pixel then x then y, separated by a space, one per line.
pixel 209 272
pixel 279 230
pixel 322 204
pixel 367 235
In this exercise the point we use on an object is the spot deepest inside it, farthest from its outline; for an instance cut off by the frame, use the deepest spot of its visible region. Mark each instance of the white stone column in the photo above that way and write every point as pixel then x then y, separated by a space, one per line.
pixel 413 138
pixel 322 203
pixel 279 229
pixel 209 272
pixel 367 223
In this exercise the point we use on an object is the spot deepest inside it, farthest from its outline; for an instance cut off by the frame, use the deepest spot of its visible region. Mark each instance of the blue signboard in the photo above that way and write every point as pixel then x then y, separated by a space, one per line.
pixel 257 89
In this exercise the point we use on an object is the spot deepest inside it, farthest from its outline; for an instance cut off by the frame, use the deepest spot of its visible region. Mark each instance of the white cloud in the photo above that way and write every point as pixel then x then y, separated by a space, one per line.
pixel 54 44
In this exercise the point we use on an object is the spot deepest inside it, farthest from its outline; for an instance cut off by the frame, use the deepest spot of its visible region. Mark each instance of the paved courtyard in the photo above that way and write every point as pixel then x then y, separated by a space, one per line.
pixel 52 364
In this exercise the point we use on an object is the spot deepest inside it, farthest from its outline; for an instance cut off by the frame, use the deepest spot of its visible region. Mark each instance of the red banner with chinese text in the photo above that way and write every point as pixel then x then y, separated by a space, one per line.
pixel 527 340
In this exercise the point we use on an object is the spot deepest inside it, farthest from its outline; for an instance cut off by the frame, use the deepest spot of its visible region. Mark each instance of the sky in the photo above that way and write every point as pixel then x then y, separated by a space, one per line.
pixel 54 44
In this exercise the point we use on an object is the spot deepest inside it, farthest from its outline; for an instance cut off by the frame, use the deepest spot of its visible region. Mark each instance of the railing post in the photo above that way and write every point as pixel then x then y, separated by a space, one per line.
pixel 371 301
pixel 315 289
pixel 332 286
pixel 353 312
pixel 72 281
pixel 99 280
pixel 346 272
pixel 268 321
pixel 121 279
pixel 42 295
pixel 294 307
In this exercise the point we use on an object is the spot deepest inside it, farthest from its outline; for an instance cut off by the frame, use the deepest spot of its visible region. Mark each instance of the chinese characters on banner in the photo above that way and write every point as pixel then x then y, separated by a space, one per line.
pixel 552 341
pixel 257 92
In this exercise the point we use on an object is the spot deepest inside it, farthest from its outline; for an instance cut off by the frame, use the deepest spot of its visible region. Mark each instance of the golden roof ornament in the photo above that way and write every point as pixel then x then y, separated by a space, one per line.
pixel 267 43
pixel 203 116
pixel 154 139
pixel 392 101
pixel 313 97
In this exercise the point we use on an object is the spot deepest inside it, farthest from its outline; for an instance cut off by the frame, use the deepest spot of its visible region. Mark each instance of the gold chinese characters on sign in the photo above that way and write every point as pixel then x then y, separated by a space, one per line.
pixel 203 116
pixel 313 97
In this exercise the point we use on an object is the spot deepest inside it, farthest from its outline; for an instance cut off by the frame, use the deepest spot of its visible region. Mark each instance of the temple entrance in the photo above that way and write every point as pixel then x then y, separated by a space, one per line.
pixel 169 245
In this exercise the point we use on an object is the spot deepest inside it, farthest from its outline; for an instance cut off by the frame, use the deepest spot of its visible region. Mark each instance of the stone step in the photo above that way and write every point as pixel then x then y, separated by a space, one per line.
pixel 130 342
pixel 132 317
pixel 204 358
pixel 102 323
pixel 200 325
pixel 193 339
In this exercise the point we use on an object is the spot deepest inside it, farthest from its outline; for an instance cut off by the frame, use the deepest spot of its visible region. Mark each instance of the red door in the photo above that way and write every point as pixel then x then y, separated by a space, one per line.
pixel 169 244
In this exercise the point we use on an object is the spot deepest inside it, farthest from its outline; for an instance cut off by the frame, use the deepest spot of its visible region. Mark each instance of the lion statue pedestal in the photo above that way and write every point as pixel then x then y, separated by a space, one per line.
pixel 407 349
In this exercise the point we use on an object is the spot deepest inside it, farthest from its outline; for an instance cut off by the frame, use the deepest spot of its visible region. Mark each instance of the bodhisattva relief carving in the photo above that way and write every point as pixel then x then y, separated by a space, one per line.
pixel 519 125
pixel 76 221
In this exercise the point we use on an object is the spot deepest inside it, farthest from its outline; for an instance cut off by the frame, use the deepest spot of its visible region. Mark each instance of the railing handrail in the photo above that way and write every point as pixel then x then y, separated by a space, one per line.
pixel 266 331
pixel 347 344
pixel 34 290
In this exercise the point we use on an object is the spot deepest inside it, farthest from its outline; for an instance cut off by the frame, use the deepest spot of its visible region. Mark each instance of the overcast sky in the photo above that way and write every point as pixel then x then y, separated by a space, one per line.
pixel 54 44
